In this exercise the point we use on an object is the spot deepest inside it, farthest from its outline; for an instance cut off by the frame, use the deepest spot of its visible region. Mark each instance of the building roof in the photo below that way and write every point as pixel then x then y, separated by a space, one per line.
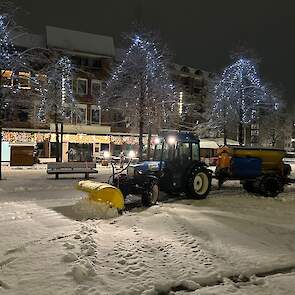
pixel 79 41
pixel 28 40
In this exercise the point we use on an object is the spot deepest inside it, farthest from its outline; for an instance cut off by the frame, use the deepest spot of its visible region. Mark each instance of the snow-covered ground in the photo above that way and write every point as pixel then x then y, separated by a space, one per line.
pixel 231 243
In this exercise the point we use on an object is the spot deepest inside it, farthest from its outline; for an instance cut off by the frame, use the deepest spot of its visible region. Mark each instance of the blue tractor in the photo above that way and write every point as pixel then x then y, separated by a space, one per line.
pixel 175 168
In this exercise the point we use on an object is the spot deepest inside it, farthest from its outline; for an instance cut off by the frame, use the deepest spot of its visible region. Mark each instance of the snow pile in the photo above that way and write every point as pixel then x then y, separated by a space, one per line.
pixel 88 209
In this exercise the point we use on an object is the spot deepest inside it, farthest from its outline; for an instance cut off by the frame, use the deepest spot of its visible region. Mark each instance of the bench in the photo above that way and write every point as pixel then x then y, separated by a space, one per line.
pixel 71 168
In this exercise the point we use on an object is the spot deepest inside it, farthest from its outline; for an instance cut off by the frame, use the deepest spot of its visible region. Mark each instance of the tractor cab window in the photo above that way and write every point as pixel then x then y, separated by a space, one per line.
pixel 183 153
pixel 195 152
pixel 158 152
pixel 168 151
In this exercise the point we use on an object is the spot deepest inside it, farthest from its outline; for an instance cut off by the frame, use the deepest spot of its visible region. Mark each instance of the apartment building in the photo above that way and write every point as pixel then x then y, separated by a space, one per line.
pixel 193 85
pixel 94 131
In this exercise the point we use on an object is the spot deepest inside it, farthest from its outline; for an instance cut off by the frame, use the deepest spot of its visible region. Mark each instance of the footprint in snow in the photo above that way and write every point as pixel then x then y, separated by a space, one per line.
pixel 7 261
pixel 15 250
pixel 4 285
pixel 70 257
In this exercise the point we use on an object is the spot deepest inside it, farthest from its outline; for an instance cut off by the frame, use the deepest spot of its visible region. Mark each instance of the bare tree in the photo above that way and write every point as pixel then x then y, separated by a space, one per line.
pixel 140 87
pixel 276 127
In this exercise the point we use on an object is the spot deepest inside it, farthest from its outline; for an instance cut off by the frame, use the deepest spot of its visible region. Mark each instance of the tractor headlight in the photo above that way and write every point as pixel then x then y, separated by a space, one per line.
pixel 171 140
pixel 131 154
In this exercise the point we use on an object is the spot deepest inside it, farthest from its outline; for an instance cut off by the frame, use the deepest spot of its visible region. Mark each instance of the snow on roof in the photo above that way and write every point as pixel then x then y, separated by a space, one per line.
pixel 79 41
pixel 28 40
pixel 208 144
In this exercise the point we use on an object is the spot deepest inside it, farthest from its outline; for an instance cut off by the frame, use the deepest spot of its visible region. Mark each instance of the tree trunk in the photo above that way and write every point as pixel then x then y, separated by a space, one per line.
pixel 57 139
pixel 140 150
pixel 141 120
pixel 241 128
pixel 1 148
pixel 61 140
pixel 149 142
pixel 224 136
pixel 241 134
pixel 1 121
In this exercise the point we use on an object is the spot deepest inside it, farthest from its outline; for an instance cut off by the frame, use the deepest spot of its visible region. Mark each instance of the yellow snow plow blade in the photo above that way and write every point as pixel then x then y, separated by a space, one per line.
pixel 102 192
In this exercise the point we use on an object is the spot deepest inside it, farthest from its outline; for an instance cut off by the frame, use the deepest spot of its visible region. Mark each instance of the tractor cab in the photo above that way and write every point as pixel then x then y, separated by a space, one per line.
pixel 176 154
pixel 174 168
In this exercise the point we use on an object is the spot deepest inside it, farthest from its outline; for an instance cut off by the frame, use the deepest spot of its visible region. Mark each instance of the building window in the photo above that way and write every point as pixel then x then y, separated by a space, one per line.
pixel 97 63
pixel 198 72
pixel 24 80
pixel 82 86
pixel 95 88
pixel 84 61
pixel 81 116
pixel 77 115
pixel 68 115
pixel 104 147
pixel 95 115
pixel 23 115
pixel 185 70
pixel 6 78
pixel 197 90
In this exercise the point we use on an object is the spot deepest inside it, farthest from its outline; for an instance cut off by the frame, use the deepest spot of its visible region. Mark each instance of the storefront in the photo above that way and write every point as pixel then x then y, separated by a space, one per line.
pixel 121 143
pixel 81 147
pixel 80 152
pixel 20 147
pixel 75 147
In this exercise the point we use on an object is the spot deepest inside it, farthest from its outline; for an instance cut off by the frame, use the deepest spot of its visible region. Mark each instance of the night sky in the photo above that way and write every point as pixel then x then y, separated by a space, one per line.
pixel 200 33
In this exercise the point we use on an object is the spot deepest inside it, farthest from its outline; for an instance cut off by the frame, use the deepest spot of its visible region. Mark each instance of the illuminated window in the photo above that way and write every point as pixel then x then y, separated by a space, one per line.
pixel 24 80
pixel 6 78
pixel 95 88
pixel 82 86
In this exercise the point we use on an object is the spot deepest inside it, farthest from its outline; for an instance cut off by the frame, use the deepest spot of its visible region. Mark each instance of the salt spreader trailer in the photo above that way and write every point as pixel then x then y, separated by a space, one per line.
pixel 260 170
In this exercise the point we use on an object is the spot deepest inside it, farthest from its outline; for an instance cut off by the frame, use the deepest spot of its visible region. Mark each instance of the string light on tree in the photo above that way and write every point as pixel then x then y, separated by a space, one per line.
pixel 9 61
pixel 140 87
pixel 57 94
pixel 238 94
pixel 57 99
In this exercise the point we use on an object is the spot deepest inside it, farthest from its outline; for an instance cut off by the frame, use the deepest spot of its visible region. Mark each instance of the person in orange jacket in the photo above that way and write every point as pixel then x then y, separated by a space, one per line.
pixel 223 164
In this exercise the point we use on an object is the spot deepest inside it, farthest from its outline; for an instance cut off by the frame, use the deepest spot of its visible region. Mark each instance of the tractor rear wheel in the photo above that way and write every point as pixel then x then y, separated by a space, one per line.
pixel 151 195
pixel 270 186
pixel 199 183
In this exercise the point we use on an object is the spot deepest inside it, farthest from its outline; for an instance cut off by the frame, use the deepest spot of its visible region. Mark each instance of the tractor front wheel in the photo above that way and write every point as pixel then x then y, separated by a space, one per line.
pixel 151 195
pixel 199 183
